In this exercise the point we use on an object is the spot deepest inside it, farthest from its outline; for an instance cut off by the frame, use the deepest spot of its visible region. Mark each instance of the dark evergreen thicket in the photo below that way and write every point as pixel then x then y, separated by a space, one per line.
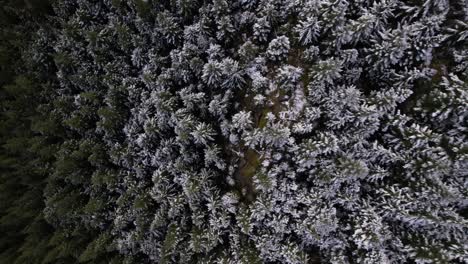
pixel 23 231
pixel 30 139
pixel 247 131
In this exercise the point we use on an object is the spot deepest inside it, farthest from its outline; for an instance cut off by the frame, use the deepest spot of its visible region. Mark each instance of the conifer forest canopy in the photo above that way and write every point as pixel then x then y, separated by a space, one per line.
pixel 233 131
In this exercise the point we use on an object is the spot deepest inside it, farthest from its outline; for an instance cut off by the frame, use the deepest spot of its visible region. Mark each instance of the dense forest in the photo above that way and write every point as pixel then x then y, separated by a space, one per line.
pixel 243 131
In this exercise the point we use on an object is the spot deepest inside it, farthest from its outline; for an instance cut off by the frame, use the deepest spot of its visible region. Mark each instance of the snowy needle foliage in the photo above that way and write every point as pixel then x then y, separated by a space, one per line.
pixel 244 131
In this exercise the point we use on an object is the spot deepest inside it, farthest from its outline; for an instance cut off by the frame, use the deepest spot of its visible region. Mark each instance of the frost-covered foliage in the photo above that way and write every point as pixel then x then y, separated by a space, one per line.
pixel 258 131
